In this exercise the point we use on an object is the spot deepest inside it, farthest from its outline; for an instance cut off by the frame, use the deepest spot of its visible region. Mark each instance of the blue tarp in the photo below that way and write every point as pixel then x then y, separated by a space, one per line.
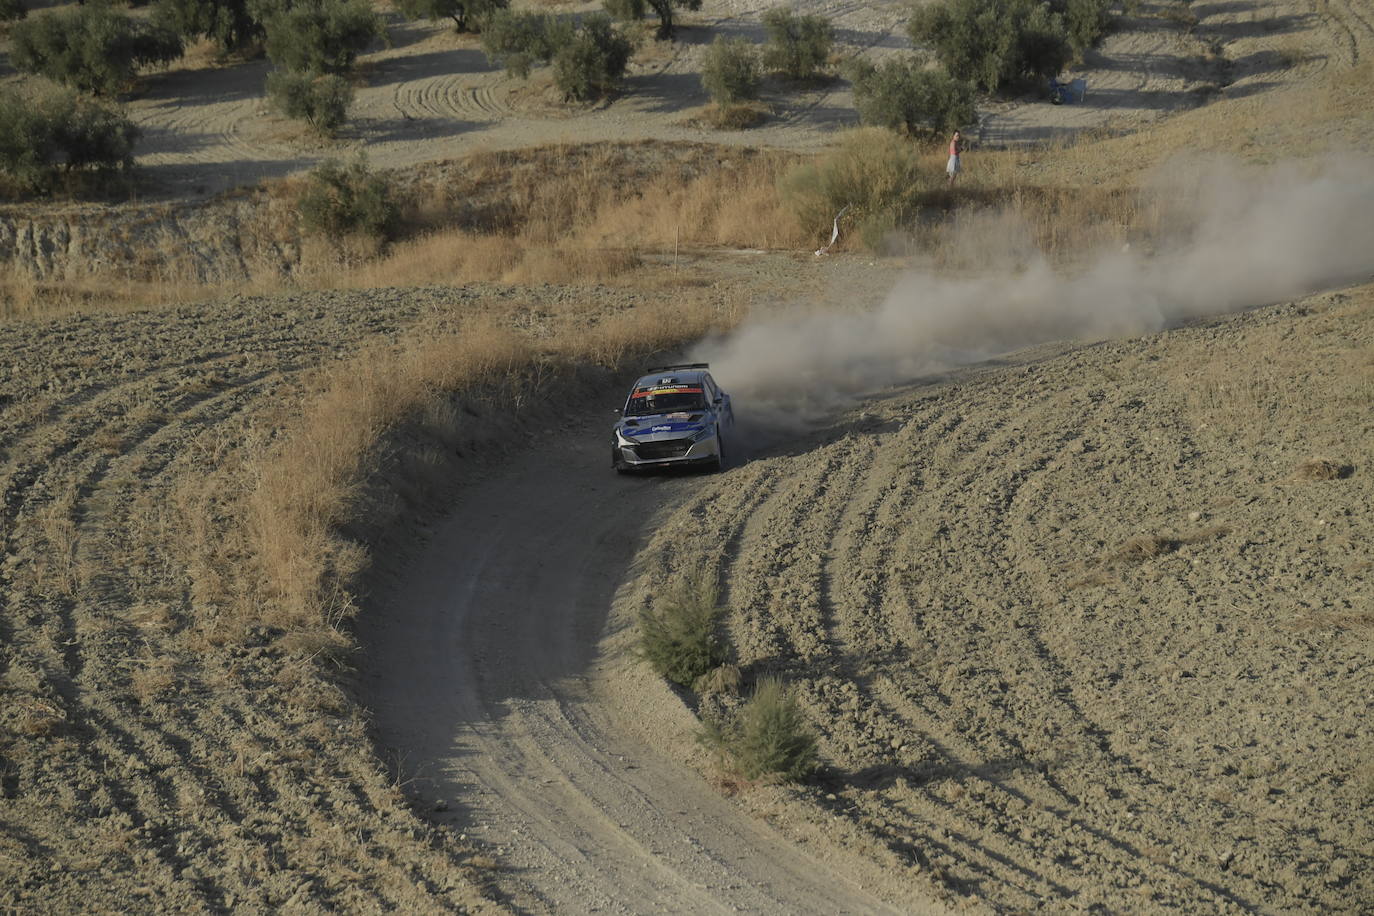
pixel 1073 91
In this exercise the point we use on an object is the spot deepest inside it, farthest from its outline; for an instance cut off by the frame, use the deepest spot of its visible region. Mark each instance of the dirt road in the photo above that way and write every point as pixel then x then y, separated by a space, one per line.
pixel 484 666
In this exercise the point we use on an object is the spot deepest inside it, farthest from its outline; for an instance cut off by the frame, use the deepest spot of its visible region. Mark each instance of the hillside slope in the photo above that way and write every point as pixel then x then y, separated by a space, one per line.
pixel 1088 627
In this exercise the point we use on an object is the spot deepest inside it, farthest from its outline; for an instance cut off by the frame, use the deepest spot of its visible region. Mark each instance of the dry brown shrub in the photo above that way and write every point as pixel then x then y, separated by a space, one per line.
pixel 35 717
pixel 1089 580
pixel 723 679
pixel 152 680
pixel 58 565
pixel 1145 547
pixel 1322 469
pixel 1204 534
pixel 740 116
pixel 1362 620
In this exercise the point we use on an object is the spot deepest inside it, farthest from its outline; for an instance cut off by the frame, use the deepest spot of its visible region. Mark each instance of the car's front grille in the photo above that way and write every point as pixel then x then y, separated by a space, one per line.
pixel 663 448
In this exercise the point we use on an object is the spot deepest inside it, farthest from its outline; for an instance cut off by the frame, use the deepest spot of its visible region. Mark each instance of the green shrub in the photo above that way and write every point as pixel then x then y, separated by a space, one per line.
pixel 466 14
pixel 59 131
pixel 798 46
pixel 638 9
pixel 993 43
pixel 905 96
pixel 348 199
pixel 874 172
pixel 1085 21
pixel 11 10
pixel 769 736
pixel 516 41
pixel 228 23
pixel 589 66
pixel 320 36
pixel 588 57
pixel 678 636
pixel 730 71
pixel 321 100
pixel 91 48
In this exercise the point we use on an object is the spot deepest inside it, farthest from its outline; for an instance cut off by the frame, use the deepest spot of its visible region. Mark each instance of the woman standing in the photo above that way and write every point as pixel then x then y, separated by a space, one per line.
pixel 953 168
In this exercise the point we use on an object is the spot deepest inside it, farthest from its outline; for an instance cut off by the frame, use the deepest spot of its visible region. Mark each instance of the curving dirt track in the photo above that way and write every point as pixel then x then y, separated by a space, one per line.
pixel 486 667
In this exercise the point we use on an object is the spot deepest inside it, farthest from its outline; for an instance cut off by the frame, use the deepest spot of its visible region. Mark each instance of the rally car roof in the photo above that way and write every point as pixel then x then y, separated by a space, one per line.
pixel 687 374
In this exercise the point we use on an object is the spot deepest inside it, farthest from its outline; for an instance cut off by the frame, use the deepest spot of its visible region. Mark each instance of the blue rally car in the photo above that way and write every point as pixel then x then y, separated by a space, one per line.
pixel 674 415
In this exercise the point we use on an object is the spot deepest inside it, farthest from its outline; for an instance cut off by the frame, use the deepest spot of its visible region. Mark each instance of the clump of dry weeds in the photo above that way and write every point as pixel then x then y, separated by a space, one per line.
pixel 1322 469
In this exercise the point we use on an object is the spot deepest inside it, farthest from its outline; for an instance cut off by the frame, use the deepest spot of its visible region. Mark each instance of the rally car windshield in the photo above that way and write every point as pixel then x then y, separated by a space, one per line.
pixel 654 401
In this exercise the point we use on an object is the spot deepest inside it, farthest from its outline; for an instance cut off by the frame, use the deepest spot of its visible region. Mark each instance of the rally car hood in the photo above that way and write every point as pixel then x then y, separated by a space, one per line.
pixel 665 426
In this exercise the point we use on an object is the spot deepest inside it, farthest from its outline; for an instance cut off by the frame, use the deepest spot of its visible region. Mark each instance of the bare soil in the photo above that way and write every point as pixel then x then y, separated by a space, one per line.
pixel 1084 627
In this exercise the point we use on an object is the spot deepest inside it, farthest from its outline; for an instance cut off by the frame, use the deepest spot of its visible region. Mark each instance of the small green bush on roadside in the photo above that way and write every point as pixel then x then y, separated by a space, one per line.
pixel 677 637
pixel 46 134
pixel 91 47
pixel 730 71
pixel 873 171
pixel 321 100
pixel 798 46
pixel 903 95
pixel 350 199
pixel 769 736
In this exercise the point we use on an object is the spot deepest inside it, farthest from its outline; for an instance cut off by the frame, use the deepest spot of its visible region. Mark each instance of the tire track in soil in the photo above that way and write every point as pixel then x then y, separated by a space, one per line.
pixel 1051 682
pixel 148 785
pixel 919 541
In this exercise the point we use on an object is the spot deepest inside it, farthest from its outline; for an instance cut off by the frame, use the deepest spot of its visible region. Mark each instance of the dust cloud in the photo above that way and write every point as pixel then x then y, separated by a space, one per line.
pixel 1229 237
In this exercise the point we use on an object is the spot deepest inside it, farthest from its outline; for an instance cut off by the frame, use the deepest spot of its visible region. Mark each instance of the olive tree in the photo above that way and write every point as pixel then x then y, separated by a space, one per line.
pixel 467 15
pixel 588 57
pixel 993 43
pixel 48 133
pixel 730 70
pixel 91 48
pixel 230 24
pixel 320 36
pixel 904 95
pixel 798 46
pixel 638 9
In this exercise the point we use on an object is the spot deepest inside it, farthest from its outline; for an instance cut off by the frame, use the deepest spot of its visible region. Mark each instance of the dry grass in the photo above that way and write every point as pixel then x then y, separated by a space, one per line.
pixel 35 717
pixel 558 214
pixel 1145 547
pixel 59 561
pixel 313 481
pixel 740 116
pixel 1322 469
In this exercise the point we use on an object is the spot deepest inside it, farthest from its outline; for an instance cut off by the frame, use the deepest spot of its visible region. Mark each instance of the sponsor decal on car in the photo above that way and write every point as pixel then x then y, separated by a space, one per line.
pixel 672 389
